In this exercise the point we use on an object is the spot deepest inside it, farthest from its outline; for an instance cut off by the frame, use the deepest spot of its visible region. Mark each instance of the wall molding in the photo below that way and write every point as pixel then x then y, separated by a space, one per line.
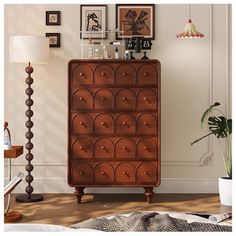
pixel 168 185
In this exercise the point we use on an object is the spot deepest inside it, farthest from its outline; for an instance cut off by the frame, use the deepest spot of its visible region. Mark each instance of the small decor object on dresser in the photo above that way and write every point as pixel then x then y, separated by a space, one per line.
pixel 93 22
pixel 135 20
pixel 114 124
pixel 53 18
pixel 54 40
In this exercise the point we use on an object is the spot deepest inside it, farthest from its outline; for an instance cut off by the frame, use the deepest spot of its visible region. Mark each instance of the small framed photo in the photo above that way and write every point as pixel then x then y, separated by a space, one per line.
pixel 135 20
pixel 93 21
pixel 53 18
pixel 54 40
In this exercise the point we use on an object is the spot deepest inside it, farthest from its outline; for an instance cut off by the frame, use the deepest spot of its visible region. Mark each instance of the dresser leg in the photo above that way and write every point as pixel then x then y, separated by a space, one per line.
pixel 79 192
pixel 149 193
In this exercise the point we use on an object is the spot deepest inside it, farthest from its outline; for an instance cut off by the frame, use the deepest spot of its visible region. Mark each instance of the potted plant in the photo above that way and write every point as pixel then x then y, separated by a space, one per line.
pixel 221 127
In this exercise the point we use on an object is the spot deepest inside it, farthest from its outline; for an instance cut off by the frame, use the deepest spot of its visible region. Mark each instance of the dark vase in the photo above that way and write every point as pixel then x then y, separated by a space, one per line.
pixel 145 56
pixel 131 56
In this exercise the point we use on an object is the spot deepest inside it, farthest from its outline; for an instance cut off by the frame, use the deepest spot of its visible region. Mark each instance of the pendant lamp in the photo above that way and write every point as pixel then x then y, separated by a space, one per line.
pixel 190 31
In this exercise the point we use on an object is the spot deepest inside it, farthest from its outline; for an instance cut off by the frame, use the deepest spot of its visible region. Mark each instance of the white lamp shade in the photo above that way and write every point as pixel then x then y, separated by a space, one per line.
pixel 24 48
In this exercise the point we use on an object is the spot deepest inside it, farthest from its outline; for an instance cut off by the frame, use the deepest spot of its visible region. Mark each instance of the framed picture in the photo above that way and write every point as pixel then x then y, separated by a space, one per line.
pixel 54 40
pixel 53 18
pixel 93 21
pixel 135 20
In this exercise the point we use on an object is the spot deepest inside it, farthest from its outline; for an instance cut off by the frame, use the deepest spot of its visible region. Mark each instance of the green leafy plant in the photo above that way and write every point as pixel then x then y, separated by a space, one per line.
pixel 221 127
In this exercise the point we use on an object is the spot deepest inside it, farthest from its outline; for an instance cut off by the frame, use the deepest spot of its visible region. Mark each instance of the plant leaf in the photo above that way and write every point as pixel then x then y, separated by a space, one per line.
pixel 220 126
pixel 207 113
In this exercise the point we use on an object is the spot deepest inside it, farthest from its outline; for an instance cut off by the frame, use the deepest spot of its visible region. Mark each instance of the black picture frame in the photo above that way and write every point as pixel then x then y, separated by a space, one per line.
pixel 148 30
pixel 54 40
pixel 53 18
pixel 84 10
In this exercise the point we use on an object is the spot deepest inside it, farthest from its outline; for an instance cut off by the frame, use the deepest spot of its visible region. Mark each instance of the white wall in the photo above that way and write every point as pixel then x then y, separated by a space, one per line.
pixel 195 73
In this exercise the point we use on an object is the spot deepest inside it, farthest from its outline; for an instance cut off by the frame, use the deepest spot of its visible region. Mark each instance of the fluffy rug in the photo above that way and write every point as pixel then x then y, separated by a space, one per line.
pixel 152 221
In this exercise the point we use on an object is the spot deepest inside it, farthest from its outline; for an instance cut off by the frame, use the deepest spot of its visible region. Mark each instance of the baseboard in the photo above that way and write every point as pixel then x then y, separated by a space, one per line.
pixel 168 185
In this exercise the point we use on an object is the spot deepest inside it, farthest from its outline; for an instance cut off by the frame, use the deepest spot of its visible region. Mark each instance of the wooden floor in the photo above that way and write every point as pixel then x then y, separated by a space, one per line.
pixel 62 209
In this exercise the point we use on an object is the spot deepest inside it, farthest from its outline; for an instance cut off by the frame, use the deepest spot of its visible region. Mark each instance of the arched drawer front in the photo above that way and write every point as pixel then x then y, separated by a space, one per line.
pixel 146 74
pixel 103 148
pixel 103 123
pixel 146 148
pixel 146 172
pixel 82 124
pixel 125 74
pixel 103 99
pixel 103 173
pixel 82 173
pixel 82 99
pixel 82 148
pixel 125 99
pixel 125 123
pixel 125 172
pixel 103 74
pixel 146 99
pixel 146 123
pixel 125 148
pixel 82 74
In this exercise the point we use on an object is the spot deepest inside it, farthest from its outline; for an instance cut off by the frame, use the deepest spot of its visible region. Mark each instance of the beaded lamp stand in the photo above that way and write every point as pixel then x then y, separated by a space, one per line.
pixel 29 197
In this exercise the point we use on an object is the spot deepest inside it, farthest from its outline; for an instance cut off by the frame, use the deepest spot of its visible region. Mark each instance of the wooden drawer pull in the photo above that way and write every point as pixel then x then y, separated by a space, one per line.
pixel 103 148
pixel 81 123
pixel 145 172
pixel 102 73
pixel 124 173
pixel 81 172
pixel 145 74
pixel 102 123
pixel 103 173
pixel 124 148
pixel 81 98
pixel 81 73
pixel 124 73
pixel 145 99
pixel 102 99
pixel 124 98
pixel 81 148
pixel 146 148
pixel 124 123
pixel 145 123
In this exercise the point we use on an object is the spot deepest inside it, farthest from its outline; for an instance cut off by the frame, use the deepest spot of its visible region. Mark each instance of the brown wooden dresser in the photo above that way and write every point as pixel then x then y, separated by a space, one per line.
pixel 114 124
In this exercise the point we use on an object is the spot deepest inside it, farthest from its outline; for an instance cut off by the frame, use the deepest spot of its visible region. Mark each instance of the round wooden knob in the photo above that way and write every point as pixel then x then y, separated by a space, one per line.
pixel 81 172
pixel 124 74
pixel 81 147
pixel 145 98
pixel 102 147
pixel 5 124
pixel 102 73
pixel 123 123
pixel 145 73
pixel 81 98
pixel 102 173
pixel 102 98
pixel 145 148
pixel 124 98
pixel 102 123
pixel 145 123
pixel 124 173
pixel 81 123
pixel 81 73
pixel 124 148
pixel 145 172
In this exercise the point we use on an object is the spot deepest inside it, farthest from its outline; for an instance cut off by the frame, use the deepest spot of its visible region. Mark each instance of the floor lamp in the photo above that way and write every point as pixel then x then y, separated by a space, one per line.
pixel 29 49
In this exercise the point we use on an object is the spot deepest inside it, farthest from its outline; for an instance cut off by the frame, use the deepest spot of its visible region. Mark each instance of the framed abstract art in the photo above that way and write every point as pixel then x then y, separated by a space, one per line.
pixel 93 21
pixel 135 20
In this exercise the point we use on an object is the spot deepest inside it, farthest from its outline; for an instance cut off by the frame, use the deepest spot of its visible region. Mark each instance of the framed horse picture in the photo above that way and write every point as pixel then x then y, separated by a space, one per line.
pixel 135 20
pixel 93 21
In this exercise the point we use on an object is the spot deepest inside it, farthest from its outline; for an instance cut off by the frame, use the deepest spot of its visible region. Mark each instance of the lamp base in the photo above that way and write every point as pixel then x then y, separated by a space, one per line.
pixel 31 198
